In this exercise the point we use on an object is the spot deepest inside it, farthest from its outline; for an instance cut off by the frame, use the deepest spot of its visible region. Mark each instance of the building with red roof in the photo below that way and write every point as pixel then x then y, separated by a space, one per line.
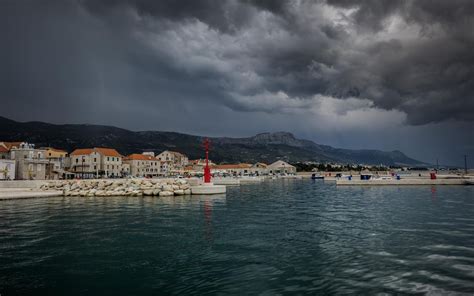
pixel 96 162
pixel 143 165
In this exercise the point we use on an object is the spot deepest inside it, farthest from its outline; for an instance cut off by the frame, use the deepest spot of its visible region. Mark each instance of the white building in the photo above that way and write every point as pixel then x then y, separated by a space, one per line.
pixel 281 167
pixel 259 169
pixel 30 163
pixel 238 169
pixel 126 169
pixel 96 162
pixel 58 163
pixel 143 165
pixel 172 162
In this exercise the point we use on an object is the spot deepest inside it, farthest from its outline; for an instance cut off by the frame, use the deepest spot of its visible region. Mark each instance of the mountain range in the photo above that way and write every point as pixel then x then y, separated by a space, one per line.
pixel 264 147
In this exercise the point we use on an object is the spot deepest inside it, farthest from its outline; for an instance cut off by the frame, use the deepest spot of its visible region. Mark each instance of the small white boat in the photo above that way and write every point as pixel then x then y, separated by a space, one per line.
pixel 382 178
pixel 317 177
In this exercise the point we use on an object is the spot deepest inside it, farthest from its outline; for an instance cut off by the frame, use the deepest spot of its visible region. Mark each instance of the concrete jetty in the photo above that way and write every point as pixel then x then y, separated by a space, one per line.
pixel 401 182
pixel 20 193
pixel 251 180
pixel 226 181
pixel 208 188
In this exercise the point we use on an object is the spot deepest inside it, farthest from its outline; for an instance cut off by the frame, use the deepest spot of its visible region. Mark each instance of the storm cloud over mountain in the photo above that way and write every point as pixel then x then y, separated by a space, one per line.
pixel 364 74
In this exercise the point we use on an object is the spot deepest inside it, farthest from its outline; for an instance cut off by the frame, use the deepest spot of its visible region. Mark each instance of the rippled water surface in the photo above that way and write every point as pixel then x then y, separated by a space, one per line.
pixel 279 237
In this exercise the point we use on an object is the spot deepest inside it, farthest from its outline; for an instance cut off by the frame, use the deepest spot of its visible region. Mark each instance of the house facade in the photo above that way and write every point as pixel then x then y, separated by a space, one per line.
pixel 238 169
pixel 281 167
pixel 143 165
pixel 58 162
pixel 172 162
pixel 30 163
pixel 96 162
pixel 259 169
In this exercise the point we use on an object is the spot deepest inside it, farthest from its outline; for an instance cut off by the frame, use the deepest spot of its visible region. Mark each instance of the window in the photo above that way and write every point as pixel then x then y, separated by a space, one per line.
pixel 108 159
pixel 77 160
pixel 95 159
pixel 95 167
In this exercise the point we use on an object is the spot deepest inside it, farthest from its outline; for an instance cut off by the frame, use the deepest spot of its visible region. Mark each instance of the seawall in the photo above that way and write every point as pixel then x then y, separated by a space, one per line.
pixel 394 182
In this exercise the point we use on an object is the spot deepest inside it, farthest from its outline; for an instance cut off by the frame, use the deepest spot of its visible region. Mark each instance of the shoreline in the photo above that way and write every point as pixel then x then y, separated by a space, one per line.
pixel 404 182
pixel 26 193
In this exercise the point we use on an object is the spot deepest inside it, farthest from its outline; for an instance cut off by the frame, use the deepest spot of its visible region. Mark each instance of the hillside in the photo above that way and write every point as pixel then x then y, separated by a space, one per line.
pixel 265 147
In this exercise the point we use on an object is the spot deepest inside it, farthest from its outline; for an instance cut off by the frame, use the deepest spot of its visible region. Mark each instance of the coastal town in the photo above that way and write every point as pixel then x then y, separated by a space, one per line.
pixel 237 147
pixel 24 161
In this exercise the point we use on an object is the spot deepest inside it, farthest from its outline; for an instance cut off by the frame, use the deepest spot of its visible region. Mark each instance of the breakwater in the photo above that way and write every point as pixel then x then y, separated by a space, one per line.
pixel 411 181
pixel 120 187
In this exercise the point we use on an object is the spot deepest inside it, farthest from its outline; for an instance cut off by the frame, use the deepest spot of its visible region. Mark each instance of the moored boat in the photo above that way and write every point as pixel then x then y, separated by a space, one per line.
pixel 317 177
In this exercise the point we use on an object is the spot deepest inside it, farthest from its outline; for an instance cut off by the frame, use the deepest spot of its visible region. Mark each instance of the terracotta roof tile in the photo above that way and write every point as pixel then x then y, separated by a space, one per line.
pixel 10 145
pixel 231 166
pixel 137 156
pixel 83 151
pixel 108 152
pixel 103 151
pixel 56 150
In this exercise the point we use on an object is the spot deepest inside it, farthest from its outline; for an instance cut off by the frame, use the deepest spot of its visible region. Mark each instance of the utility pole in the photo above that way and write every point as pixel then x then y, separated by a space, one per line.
pixel 465 164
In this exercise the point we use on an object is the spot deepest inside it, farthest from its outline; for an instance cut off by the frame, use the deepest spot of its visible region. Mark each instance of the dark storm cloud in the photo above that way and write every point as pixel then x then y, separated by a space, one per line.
pixel 428 77
pixel 119 61
pixel 371 14
pixel 218 14
pixel 288 46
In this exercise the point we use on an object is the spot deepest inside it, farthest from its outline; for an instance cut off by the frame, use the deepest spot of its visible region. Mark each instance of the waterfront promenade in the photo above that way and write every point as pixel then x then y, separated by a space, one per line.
pixel 173 187
pixel 19 193
pixel 403 182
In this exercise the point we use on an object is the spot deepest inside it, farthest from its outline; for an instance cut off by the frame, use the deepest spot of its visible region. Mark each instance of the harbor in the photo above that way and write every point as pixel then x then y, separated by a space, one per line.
pixel 405 182
pixel 388 178
pixel 282 232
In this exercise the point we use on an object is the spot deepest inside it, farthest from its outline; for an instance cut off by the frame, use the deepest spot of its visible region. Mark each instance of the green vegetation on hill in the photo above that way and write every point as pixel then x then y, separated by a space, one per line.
pixel 266 147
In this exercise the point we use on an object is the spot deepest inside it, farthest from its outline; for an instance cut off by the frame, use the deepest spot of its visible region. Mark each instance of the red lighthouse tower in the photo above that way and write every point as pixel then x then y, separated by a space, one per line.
pixel 207 170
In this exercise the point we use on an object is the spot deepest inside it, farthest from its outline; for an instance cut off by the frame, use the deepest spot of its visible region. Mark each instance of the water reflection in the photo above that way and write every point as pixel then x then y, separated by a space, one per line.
pixel 433 193
pixel 190 200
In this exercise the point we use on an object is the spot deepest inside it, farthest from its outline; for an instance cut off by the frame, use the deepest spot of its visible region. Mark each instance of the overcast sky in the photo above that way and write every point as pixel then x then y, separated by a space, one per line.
pixel 354 74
